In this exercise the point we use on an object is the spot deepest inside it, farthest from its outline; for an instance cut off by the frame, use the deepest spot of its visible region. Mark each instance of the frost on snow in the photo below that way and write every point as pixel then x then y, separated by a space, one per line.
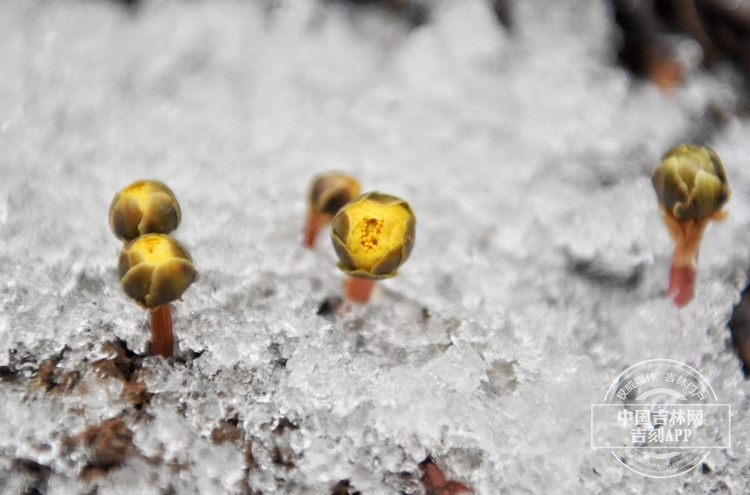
pixel 539 271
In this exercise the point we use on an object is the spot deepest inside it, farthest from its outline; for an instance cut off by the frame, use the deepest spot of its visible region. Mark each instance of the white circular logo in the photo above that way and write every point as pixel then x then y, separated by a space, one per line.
pixel 660 418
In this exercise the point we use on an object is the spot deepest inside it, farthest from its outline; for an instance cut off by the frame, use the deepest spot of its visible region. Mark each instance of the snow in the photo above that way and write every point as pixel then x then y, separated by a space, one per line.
pixel 539 272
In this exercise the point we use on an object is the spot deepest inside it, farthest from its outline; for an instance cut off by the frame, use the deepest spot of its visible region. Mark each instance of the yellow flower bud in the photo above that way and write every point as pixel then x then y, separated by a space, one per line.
pixel 155 269
pixel 329 192
pixel 691 182
pixel 144 207
pixel 373 236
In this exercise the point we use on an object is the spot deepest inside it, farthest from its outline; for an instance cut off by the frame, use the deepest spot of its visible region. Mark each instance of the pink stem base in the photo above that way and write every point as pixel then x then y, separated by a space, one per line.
pixel 358 289
pixel 687 235
pixel 681 284
pixel 162 338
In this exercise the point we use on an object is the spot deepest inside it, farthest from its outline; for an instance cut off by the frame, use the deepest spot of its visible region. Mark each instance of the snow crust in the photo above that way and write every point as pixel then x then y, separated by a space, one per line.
pixel 539 272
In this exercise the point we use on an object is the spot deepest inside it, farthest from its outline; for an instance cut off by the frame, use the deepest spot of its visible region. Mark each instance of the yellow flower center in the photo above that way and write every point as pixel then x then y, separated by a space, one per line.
pixel 139 190
pixel 375 230
pixel 154 249
pixel 369 230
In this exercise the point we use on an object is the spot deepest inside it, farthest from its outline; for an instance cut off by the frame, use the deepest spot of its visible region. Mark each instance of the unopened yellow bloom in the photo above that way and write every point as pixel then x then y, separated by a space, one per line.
pixel 691 182
pixel 373 236
pixel 329 192
pixel 144 207
pixel 155 269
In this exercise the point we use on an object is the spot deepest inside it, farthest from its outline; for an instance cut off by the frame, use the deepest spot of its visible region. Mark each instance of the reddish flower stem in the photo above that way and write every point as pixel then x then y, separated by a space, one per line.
pixel 687 235
pixel 162 338
pixel 681 284
pixel 358 289
pixel 315 221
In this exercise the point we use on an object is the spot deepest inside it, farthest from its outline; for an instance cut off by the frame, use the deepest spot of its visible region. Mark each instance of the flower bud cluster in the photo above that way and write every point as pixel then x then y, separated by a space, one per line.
pixel 154 269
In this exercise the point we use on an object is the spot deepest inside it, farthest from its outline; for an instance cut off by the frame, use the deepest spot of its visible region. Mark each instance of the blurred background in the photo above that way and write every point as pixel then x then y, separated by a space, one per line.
pixel 522 133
